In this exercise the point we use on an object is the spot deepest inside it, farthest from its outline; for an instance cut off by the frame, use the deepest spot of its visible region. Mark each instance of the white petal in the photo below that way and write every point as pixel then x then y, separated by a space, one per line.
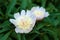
pixel 18 30
pixel 42 9
pixel 33 20
pixel 28 12
pixel 12 21
pixel 37 7
pixel 31 15
pixel 34 8
pixel 40 18
pixel 28 30
pixel 46 14
pixel 16 15
pixel 23 12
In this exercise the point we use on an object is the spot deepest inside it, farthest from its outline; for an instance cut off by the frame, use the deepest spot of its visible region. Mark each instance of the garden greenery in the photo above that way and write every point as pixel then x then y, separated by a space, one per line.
pixel 46 29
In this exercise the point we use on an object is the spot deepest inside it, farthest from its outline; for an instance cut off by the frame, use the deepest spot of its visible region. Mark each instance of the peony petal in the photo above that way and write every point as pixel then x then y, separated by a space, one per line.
pixel 42 9
pixel 46 14
pixel 12 21
pixel 28 30
pixel 23 12
pixel 31 15
pixel 17 30
pixel 16 15
pixel 35 8
pixel 28 12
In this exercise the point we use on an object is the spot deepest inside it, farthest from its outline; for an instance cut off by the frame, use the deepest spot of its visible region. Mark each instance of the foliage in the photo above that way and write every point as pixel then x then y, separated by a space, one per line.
pixel 47 29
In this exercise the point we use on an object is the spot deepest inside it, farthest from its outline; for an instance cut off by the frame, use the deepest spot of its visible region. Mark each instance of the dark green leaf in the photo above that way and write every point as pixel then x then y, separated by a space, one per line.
pixel 5 36
pixel 24 4
pixel 18 36
pixel 10 7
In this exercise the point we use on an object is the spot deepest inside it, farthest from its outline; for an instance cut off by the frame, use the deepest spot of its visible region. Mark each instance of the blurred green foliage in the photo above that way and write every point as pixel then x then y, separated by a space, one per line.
pixel 47 29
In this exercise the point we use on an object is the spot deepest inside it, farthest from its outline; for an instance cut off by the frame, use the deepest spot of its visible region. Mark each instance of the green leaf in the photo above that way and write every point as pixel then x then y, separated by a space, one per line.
pixel 29 6
pixel 23 37
pixel 45 37
pixel 23 4
pixel 39 26
pixel 1 35
pixel 10 7
pixel 34 37
pixel 6 36
pixel 52 33
pixel 9 38
pixel 5 24
pixel 43 3
pixel 1 12
pixel 3 30
pixel 14 35
pixel 51 8
pixel 18 36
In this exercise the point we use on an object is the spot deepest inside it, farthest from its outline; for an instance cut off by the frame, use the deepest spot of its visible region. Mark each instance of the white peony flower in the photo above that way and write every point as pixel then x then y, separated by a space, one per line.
pixel 24 22
pixel 39 12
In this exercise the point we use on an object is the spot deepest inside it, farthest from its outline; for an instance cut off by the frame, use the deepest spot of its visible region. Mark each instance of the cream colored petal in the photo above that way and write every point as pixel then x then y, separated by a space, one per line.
pixel 34 8
pixel 46 14
pixel 17 15
pixel 22 12
pixel 42 9
pixel 12 21
pixel 31 15
pixel 28 30
pixel 28 13
pixel 18 30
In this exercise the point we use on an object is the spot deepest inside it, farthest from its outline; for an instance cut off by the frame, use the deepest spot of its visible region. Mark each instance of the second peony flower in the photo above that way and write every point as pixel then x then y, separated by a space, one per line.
pixel 39 12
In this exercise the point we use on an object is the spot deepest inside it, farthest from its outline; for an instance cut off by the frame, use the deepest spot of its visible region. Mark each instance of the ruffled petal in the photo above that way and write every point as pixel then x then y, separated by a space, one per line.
pixel 28 30
pixel 46 14
pixel 17 30
pixel 42 9
pixel 34 8
pixel 22 12
pixel 31 15
pixel 28 12
pixel 17 15
pixel 12 21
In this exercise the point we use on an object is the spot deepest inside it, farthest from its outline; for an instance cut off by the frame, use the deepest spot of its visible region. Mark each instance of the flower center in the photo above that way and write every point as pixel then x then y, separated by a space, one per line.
pixel 25 22
pixel 38 13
